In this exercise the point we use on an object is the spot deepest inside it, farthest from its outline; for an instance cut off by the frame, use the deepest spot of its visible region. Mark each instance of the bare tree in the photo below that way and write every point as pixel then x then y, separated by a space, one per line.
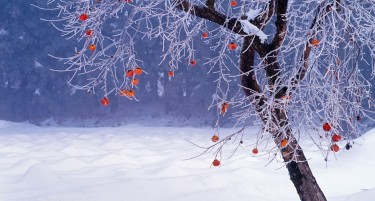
pixel 299 62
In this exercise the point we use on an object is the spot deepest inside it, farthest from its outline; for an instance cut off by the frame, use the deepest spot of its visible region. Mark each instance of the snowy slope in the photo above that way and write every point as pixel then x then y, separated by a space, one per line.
pixel 135 163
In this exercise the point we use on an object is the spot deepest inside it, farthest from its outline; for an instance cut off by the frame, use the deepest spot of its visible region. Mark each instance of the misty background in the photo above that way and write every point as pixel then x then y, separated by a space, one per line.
pixel 32 92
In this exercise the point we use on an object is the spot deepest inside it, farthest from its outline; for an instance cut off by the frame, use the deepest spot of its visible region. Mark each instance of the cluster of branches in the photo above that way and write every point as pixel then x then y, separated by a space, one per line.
pixel 303 60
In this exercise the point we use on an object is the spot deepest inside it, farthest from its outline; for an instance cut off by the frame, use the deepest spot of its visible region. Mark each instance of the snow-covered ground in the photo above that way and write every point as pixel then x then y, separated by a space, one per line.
pixel 136 163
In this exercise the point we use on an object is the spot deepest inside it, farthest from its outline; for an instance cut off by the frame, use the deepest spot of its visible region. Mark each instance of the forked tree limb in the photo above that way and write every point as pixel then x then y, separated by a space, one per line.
pixel 209 13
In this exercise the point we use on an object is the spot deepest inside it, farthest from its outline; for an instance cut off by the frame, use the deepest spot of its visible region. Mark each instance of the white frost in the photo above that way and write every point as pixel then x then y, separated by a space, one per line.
pixel 252 14
pixel 251 29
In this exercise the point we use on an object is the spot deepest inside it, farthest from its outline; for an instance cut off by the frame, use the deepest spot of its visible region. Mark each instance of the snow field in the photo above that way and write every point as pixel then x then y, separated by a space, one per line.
pixel 136 163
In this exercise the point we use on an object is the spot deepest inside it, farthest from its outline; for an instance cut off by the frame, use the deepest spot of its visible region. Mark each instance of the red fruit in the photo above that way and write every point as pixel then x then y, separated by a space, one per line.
pixel 193 62
pixel 233 3
pixel 326 127
pixel 89 33
pixel 83 17
pixel 335 148
pixel 92 47
pixel 255 151
pixel 170 73
pixel 283 142
pixel 130 93
pixel 216 162
pixel 129 73
pixel 224 108
pixel 314 42
pixel 138 71
pixel 215 138
pixel 336 137
pixel 204 35
pixel 105 101
pixel 232 46
pixel 135 81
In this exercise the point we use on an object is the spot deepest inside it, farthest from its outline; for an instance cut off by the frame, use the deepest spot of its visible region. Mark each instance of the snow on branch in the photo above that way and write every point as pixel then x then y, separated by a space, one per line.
pixel 253 30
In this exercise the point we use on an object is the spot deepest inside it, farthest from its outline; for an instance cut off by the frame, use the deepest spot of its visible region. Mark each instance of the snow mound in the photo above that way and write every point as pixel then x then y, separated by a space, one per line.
pixel 39 175
pixel 113 164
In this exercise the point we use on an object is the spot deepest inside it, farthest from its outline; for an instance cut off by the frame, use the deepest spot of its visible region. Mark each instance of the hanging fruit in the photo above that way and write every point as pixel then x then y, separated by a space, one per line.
pixel 204 35
pixel 283 142
pixel 122 92
pixel 129 73
pixel 255 151
pixel 138 71
pixel 193 62
pixel 135 81
pixel 130 93
pixel 336 137
pixel 314 42
pixel 83 17
pixel 89 33
pixel 335 148
pixel 233 3
pixel 216 162
pixel 232 46
pixel 215 138
pixel 170 73
pixel 224 108
pixel 105 101
pixel 326 127
pixel 92 47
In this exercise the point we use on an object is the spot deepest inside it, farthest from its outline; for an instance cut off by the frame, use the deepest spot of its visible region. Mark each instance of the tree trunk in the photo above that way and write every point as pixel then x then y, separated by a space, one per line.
pixel 298 167
pixel 296 163
pixel 304 180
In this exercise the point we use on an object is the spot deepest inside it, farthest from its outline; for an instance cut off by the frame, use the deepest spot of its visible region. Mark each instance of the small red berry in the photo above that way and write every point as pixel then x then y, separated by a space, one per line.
pixel 326 127
pixel 216 162
pixel 170 73
pixel 233 3
pixel 255 151
pixel 129 73
pixel 89 33
pixel 204 35
pixel 232 46
pixel 138 71
pixel 193 62
pixel 92 47
pixel 283 143
pixel 105 101
pixel 135 81
pixel 83 17
pixel 215 138
pixel 336 137
pixel 335 148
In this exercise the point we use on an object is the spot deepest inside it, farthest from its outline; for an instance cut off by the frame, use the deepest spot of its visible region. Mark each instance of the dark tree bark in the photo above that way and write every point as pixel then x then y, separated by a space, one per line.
pixel 293 156
pixel 296 163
